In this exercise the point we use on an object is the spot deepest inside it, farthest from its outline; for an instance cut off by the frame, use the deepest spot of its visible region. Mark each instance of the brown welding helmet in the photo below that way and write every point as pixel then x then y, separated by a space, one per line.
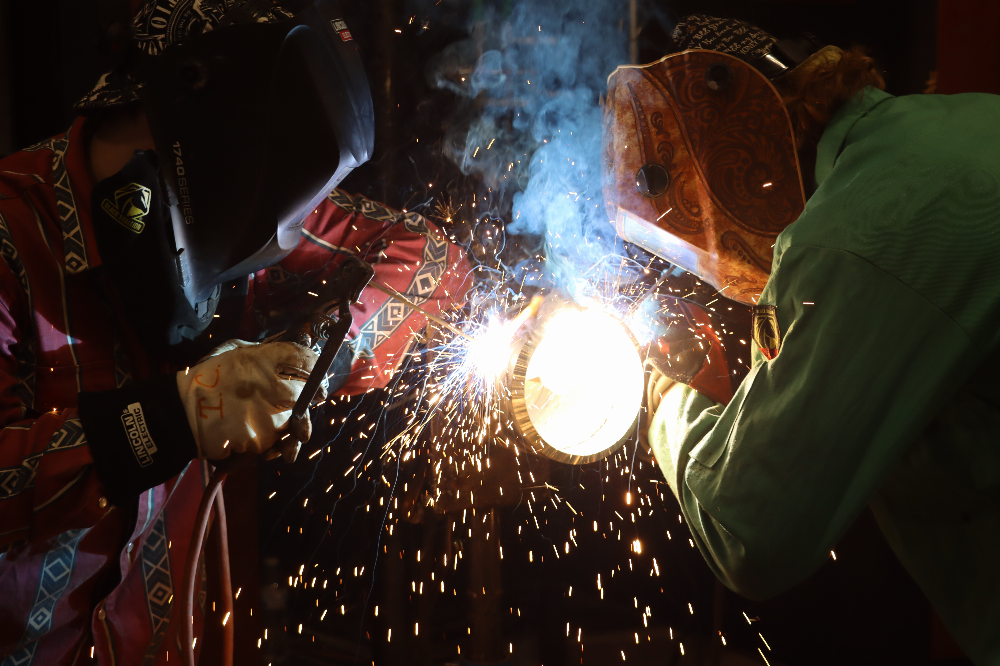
pixel 700 166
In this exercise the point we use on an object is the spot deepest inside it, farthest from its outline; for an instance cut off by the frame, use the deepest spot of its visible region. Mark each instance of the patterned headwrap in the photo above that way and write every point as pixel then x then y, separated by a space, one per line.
pixel 162 23
pixel 737 38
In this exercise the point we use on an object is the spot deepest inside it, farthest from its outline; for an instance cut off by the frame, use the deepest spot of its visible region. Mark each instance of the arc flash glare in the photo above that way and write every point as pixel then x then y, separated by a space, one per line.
pixel 575 387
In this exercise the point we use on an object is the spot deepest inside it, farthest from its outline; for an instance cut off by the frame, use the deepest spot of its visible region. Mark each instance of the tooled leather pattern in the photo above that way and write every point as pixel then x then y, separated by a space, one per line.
pixel 733 241
pixel 679 200
pixel 740 141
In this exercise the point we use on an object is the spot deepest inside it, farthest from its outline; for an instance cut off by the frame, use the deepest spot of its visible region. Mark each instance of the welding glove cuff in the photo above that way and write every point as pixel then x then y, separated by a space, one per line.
pixel 240 397
pixel 138 435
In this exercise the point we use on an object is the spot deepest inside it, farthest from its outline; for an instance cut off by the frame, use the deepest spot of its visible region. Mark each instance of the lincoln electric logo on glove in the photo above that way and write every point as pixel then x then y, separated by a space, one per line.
pixel 130 206
pixel 138 434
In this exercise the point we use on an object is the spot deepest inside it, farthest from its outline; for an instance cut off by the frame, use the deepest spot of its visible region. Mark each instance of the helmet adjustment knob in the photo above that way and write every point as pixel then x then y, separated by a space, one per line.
pixel 652 180
pixel 719 77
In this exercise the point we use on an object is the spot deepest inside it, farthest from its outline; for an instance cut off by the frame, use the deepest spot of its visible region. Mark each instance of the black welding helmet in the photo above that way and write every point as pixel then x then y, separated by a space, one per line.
pixel 254 123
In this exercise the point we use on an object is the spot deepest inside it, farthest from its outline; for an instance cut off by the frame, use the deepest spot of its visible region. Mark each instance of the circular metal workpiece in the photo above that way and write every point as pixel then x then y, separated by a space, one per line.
pixel 574 389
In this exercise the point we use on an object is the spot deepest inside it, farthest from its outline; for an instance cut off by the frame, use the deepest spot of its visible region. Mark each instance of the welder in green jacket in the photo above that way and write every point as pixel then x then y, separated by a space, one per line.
pixel 876 372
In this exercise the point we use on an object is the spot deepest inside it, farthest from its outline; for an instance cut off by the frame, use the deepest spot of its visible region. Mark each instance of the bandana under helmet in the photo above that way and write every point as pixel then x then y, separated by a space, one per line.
pixel 732 36
pixel 769 55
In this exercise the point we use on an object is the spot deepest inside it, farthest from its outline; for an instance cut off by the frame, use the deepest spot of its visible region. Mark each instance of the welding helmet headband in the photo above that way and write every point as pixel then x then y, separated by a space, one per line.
pixel 700 165
pixel 254 123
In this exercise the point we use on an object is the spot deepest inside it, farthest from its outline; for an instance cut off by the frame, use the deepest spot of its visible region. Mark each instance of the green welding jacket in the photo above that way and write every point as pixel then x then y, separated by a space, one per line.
pixel 886 388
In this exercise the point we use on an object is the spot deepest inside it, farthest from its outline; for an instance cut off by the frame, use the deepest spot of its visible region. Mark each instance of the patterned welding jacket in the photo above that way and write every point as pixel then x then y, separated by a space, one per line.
pixel 62 545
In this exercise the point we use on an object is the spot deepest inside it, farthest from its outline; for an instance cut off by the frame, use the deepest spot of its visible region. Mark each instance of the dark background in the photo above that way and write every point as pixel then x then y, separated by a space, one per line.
pixel 860 609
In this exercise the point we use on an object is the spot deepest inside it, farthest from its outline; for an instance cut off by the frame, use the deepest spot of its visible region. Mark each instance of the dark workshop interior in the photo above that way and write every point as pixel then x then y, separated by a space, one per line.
pixel 355 567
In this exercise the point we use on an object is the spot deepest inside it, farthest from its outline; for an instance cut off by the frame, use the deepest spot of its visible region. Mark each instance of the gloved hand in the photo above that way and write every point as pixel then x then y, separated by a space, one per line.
pixel 690 353
pixel 239 398
pixel 657 385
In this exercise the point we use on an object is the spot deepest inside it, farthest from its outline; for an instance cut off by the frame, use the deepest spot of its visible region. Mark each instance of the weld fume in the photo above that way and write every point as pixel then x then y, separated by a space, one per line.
pixel 533 77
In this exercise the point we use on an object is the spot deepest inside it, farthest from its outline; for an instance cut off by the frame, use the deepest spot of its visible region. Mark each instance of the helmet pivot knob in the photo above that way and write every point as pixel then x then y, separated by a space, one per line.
pixel 719 77
pixel 652 180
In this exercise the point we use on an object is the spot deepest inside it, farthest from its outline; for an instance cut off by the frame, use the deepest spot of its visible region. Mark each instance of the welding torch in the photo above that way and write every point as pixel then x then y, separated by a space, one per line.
pixel 308 329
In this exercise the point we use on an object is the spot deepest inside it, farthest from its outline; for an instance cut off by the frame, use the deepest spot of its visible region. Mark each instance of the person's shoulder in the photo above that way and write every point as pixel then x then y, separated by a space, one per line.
pixel 912 165
pixel 360 204
pixel 25 168
pixel 970 106
pixel 916 192
pixel 366 210
pixel 953 131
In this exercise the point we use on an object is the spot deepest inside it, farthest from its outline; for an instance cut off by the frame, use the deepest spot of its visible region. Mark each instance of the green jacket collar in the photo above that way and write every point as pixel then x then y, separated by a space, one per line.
pixel 832 142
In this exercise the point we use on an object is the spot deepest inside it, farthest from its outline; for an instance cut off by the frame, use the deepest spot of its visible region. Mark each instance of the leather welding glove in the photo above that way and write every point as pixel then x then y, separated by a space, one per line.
pixel 240 397
pixel 690 353
pixel 657 385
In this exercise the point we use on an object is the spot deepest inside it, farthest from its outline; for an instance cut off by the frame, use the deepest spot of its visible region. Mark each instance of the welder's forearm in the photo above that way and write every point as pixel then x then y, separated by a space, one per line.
pixel 387 326
pixel 688 426
pixel 49 484
pixel 771 482
pixel 67 468
pixel 378 353
pixel 683 419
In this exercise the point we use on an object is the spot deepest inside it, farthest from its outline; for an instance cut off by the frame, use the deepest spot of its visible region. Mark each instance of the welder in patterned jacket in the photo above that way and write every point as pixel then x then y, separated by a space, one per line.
pixel 105 435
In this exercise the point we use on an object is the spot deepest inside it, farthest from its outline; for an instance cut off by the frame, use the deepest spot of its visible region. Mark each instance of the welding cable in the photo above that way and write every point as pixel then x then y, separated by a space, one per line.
pixel 222 544
pixel 212 497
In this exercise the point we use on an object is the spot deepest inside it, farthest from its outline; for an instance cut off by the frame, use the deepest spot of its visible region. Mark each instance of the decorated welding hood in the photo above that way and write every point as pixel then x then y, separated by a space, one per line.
pixel 254 123
pixel 700 165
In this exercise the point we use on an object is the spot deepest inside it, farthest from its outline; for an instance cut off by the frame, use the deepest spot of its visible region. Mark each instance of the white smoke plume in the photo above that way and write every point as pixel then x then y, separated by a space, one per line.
pixel 533 76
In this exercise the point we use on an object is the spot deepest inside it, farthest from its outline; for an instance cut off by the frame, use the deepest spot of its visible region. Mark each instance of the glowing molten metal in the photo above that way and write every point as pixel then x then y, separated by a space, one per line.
pixel 576 386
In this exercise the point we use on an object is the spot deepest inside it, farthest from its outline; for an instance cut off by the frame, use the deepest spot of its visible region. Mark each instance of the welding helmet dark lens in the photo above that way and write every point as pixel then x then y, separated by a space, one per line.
pixel 255 123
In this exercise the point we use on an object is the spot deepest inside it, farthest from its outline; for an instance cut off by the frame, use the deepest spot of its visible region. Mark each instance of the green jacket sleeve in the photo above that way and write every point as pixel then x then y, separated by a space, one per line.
pixel 771 481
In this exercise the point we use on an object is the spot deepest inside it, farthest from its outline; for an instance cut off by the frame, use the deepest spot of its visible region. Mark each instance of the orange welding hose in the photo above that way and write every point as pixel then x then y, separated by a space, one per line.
pixel 208 500
pixel 222 539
